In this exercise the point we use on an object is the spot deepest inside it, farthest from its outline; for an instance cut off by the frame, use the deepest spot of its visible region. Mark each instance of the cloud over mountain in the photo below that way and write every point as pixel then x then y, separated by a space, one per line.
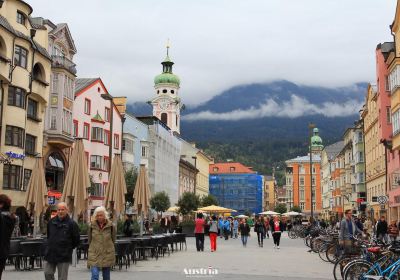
pixel 293 108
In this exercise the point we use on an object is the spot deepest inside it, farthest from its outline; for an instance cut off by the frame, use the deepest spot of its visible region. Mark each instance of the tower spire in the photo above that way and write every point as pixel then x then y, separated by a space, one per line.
pixel 168 46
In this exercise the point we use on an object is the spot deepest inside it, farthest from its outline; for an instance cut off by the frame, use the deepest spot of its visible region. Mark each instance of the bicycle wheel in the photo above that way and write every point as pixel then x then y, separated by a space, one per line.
pixel 357 269
pixel 333 253
pixel 292 234
pixel 339 267
pixel 322 252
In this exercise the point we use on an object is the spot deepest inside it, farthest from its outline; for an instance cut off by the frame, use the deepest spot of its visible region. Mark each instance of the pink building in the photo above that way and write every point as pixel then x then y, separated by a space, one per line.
pixel 385 129
pixel 101 130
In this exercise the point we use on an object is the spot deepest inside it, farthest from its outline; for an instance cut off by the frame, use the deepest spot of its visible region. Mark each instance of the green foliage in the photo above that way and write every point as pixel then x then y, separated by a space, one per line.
pixel 281 208
pixel 83 228
pixel 207 200
pixel 296 208
pixel 130 180
pixel 120 227
pixel 160 201
pixel 188 223
pixel 188 202
pixel 247 213
pixel 157 228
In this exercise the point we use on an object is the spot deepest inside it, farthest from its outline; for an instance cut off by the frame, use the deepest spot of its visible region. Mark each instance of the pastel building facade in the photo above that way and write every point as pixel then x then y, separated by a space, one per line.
pixel 92 119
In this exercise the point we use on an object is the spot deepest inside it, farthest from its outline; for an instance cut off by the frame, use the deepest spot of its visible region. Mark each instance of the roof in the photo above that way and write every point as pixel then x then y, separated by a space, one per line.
pixel 315 158
pixel 334 149
pixel 230 167
pixel 5 24
pixel 188 165
pixel 83 83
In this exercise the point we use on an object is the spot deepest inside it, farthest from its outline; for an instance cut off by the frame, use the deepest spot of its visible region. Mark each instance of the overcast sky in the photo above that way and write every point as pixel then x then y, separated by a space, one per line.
pixel 216 44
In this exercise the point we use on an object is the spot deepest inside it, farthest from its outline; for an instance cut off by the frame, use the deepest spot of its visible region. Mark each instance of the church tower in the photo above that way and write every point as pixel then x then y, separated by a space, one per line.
pixel 167 104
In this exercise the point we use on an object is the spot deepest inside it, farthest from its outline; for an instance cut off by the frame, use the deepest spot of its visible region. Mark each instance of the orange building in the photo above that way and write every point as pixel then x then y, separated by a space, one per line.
pixel 298 185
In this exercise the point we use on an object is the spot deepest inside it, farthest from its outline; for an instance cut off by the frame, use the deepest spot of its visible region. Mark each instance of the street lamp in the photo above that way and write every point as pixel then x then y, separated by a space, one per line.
pixel 109 97
pixel 311 126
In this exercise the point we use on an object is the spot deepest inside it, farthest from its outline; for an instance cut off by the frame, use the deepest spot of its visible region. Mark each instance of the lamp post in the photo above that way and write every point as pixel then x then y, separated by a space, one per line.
pixel 109 97
pixel 311 126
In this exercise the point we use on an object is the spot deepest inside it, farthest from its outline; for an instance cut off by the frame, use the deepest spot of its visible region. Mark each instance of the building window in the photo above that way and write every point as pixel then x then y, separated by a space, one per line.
pixel 16 97
pixel 302 205
pixel 313 206
pixel 14 136
pixel 97 190
pixel 67 121
pixel 97 134
pixel 20 56
pixel 313 180
pixel 32 109
pixel 127 145
pixel 30 144
pixel 86 131
pixel 301 181
pixel 388 115
pixel 76 128
pixel 164 118
pixel 360 136
pixel 11 176
pixel 387 84
pixel 144 151
pixel 232 169
pixel 21 18
pixel 396 122
pixel 87 106
pixel 106 164
pixel 302 169
pixel 302 194
pixel 116 141
pixel 107 114
pixel 27 177
pixel 95 162
pixel 107 137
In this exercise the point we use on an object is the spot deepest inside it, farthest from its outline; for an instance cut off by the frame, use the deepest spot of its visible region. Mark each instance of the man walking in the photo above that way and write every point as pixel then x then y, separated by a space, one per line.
pixel 62 238
pixel 347 231
pixel 235 228
pixel 382 230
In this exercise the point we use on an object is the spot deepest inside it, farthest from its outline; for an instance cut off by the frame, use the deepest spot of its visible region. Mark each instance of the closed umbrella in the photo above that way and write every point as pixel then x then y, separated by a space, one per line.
pixel 36 197
pixel 142 195
pixel 116 189
pixel 77 181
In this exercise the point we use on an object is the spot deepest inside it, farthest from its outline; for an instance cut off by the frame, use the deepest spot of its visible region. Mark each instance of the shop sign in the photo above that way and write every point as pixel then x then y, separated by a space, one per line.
pixel 15 155
pixel 51 200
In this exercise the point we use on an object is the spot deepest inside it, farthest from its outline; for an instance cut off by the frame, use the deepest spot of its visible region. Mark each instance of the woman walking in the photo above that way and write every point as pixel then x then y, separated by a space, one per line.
pixel 213 233
pixel 102 235
pixel 259 227
pixel 244 229
pixel 199 232
pixel 276 228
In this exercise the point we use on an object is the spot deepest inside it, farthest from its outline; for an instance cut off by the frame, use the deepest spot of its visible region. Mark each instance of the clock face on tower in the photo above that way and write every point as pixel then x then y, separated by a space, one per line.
pixel 164 104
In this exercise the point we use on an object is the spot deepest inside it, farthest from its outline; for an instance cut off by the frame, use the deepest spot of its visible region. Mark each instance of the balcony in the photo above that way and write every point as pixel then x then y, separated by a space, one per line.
pixel 63 62
pixel 4 68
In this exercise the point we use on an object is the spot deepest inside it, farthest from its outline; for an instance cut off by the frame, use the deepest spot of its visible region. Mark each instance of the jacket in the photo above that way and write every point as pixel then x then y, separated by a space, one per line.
pixel 259 227
pixel 272 226
pixel 344 233
pixel 227 225
pixel 62 237
pixel 213 227
pixel 101 245
pixel 393 230
pixel 6 229
pixel 244 229
pixel 381 227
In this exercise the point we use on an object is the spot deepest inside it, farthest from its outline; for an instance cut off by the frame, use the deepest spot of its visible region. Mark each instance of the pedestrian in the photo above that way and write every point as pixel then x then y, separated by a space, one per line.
pixel 101 237
pixel 221 227
pixel 368 229
pixel 62 238
pixel 382 230
pixel 235 228
pixel 227 226
pixel 359 224
pixel 7 221
pixel 393 231
pixel 213 233
pixel 128 226
pixel 231 226
pixel 199 232
pixel 244 229
pixel 347 231
pixel 259 228
pixel 276 228
pixel 267 227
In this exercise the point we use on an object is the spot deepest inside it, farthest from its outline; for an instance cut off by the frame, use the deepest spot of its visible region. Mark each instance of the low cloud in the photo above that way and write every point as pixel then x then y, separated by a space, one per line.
pixel 296 107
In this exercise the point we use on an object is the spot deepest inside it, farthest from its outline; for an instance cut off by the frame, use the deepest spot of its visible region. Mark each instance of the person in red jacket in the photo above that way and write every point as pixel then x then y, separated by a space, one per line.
pixel 199 232
pixel 276 229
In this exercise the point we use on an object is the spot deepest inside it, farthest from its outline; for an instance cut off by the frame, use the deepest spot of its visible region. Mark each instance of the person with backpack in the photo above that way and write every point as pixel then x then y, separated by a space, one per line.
pixel 227 227
pixel 62 237
pixel 102 236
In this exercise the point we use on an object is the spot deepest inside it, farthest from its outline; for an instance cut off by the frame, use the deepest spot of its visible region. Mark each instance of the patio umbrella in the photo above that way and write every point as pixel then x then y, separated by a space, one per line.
pixel 116 189
pixel 215 209
pixel 36 197
pixel 174 209
pixel 291 213
pixel 77 181
pixel 272 213
pixel 142 195
pixel 242 216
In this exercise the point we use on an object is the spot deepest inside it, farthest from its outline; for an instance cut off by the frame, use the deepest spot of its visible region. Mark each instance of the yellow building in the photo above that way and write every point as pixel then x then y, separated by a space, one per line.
pixel 269 193
pixel 25 68
pixel 374 154
pixel 203 162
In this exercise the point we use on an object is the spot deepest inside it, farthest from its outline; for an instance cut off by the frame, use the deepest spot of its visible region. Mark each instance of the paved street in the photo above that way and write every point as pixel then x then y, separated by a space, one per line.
pixel 231 260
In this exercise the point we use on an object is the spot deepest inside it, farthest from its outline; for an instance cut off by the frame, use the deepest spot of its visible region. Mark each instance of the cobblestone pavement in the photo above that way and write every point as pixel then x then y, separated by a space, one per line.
pixel 231 261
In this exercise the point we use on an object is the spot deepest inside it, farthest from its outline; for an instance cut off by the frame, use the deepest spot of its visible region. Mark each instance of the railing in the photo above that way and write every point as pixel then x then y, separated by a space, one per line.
pixel 63 62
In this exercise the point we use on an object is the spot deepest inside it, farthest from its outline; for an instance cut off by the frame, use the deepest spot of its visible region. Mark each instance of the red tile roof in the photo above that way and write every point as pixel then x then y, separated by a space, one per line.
pixel 230 168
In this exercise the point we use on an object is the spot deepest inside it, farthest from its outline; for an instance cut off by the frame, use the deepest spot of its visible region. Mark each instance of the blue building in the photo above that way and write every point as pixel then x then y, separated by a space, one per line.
pixel 237 187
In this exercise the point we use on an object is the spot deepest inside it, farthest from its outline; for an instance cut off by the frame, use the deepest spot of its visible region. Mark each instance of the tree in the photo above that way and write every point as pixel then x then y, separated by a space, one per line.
pixel 160 201
pixel 296 208
pixel 188 202
pixel 207 200
pixel 130 180
pixel 281 208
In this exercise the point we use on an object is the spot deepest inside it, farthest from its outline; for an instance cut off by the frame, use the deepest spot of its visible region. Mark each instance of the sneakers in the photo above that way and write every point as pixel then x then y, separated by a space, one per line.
pixel 278 247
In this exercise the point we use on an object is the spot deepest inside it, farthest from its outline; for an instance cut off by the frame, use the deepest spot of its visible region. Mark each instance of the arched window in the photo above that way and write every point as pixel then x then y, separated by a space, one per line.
pixel 164 118
pixel 38 72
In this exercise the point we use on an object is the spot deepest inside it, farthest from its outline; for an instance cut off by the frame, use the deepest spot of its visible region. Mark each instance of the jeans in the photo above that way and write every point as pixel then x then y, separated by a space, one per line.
pixel 235 233
pixel 96 273
pixel 260 237
pixel 50 269
pixel 277 238
pixel 244 240
pixel 199 241
pixel 383 237
pixel 226 234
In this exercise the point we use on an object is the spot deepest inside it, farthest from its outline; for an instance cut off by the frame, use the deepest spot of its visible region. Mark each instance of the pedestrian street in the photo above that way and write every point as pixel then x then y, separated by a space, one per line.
pixel 230 261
